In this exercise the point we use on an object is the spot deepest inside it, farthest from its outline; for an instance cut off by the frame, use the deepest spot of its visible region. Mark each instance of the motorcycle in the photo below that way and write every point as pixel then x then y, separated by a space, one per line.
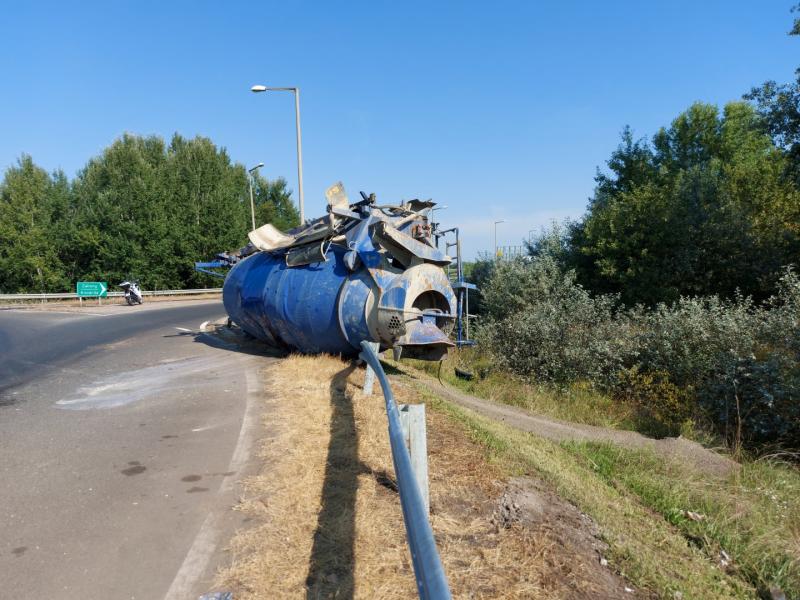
pixel 133 295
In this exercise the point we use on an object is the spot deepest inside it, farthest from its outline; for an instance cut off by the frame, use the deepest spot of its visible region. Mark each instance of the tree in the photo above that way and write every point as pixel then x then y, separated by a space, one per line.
pixel 702 209
pixel 142 209
pixel 274 204
pixel 120 212
pixel 29 260
pixel 779 107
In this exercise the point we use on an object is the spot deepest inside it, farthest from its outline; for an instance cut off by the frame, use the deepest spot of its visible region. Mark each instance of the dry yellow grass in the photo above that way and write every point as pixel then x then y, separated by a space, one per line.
pixel 328 517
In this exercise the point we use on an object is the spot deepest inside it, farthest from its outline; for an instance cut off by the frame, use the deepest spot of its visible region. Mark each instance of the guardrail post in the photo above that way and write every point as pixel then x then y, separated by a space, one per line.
pixel 431 580
pixel 369 377
pixel 412 419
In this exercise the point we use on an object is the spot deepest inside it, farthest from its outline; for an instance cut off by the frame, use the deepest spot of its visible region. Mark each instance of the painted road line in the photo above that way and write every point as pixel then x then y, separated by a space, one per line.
pixel 196 561
pixel 77 313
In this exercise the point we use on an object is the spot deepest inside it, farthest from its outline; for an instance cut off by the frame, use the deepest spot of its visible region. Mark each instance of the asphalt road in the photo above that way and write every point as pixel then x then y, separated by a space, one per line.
pixel 123 434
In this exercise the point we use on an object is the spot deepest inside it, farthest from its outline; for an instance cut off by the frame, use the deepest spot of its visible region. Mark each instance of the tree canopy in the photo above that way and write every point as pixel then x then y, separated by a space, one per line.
pixel 702 208
pixel 143 209
pixel 709 205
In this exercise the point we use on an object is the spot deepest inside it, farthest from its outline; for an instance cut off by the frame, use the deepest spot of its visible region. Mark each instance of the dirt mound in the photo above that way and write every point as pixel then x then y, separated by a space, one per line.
pixel 529 504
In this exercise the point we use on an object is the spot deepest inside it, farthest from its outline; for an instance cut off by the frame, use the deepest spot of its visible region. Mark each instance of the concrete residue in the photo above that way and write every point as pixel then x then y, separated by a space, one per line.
pixel 132 386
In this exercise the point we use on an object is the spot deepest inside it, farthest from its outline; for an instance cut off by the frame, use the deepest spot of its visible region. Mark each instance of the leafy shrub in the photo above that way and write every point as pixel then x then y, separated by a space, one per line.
pixel 543 325
pixel 662 407
pixel 756 395
pixel 732 361
pixel 696 337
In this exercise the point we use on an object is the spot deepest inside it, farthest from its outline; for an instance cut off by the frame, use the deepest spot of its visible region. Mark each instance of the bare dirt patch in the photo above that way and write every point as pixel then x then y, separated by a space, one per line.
pixel 327 516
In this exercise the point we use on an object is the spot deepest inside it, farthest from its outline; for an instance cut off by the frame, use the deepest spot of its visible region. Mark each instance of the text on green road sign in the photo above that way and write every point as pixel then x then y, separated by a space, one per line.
pixel 92 289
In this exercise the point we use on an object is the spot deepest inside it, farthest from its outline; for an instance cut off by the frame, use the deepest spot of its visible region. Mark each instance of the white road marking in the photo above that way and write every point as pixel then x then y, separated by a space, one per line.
pixel 76 313
pixel 196 561
pixel 205 428
pixel 183 329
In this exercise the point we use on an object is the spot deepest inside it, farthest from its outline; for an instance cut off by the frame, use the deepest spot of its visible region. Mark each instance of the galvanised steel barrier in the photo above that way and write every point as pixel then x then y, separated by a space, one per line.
pixel 73 296
pixel 431 580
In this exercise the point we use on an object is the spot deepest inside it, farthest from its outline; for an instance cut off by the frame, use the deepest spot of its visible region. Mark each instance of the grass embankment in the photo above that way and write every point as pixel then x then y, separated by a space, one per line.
pixel 670 530
pixel 578 403
pixel 328 522
pixel 749 522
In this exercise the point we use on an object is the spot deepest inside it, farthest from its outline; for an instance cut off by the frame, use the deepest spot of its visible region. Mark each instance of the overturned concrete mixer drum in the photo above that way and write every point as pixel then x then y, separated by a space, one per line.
pixel 362 272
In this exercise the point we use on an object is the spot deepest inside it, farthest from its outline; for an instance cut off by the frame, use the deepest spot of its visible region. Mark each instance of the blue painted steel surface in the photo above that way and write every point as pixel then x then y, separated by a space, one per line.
pixel 431 580
pixel 296 307
pixel 365 272
pixel 205 267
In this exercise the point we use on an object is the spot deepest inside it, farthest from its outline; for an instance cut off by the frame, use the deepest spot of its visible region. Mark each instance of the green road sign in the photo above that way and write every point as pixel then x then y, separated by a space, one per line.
pixel 92 289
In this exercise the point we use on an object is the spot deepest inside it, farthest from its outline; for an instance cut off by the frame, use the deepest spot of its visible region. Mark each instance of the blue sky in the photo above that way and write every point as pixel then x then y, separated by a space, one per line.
pixel 499 110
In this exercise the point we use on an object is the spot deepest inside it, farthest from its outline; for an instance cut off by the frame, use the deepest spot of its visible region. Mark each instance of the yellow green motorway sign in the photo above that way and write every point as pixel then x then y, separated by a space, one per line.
pixel 92 289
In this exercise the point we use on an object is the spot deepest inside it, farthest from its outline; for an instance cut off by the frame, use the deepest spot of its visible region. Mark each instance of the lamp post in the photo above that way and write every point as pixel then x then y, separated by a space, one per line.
pixel 263 88
pixel 495 236
pixel 435 208
pixel 251 171
pixel 434 224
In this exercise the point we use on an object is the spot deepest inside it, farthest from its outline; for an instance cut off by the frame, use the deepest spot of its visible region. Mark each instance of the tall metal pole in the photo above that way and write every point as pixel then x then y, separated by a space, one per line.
pixel 296 90
pixel 250 172
pixel 495 237
pixel 299 153
pixel 252 205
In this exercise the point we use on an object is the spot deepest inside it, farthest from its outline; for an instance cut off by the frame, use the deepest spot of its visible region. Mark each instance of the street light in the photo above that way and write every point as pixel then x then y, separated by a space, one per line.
pixel 495 236
pixel 435 208
pixel 262 88
pixel 251 171
pixel 434 224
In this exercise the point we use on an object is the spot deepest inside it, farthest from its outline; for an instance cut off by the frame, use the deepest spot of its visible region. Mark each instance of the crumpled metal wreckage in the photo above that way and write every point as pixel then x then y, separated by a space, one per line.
pixel 363 271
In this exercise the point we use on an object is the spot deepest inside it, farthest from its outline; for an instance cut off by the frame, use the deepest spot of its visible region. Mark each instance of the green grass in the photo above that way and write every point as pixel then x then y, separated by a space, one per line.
pixel 753 516
pixel 579 403
pixel 638 499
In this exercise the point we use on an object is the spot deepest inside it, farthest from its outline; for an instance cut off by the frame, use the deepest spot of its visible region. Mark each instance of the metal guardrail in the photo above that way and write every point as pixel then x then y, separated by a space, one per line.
pixel 73 296
pixel 431 580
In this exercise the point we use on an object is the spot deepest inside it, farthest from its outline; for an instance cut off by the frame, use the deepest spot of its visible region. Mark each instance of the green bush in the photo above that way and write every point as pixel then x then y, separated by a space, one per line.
pixel 732 362
pixel 543 325
pixel 662 408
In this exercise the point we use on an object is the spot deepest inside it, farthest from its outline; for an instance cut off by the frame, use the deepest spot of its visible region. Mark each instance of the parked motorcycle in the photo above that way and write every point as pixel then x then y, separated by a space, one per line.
pixel 133 295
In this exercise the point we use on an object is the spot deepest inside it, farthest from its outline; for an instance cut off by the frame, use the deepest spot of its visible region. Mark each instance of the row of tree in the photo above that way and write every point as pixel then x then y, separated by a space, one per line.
pixel 709 205
pixel 143 209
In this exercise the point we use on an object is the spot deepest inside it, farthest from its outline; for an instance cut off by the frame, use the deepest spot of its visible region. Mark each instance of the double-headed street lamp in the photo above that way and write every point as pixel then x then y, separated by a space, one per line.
pixel 252 171
pixel 263 88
